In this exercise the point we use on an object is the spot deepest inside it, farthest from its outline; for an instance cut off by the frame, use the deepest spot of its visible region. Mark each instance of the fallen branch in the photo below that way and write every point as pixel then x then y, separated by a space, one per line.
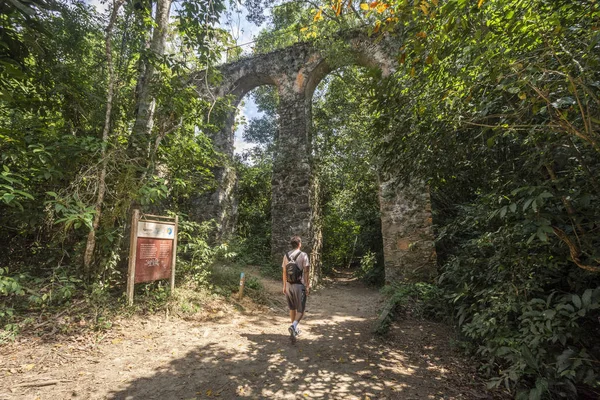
pixel 53 318
pixel 42 383
pixel 574 250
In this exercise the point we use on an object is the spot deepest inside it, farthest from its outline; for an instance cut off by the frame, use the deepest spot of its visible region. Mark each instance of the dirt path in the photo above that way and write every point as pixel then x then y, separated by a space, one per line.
pixel 248 355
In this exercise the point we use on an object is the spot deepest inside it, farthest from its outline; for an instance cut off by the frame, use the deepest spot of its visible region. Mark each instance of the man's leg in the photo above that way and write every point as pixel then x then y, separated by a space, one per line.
pixel 300 310
pixel 292 308
pixel 299 316
pixel 296 322
pixel 292 328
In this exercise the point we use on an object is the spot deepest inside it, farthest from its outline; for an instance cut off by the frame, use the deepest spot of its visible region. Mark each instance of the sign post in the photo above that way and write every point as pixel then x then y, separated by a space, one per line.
pixel 242 284
pixel 153 250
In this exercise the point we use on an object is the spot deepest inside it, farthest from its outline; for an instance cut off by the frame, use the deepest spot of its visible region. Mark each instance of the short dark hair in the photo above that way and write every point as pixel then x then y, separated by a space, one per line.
pixel 295 241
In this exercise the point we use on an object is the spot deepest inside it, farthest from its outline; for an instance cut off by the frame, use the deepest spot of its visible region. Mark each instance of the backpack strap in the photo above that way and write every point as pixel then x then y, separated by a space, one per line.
pixel 289 257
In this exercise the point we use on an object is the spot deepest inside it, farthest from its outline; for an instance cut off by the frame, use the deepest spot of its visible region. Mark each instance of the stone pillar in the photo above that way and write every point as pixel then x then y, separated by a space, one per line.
pixel 316 226
pixel 291 207
pixel 223 203
pixel 220 204
pixel 406 226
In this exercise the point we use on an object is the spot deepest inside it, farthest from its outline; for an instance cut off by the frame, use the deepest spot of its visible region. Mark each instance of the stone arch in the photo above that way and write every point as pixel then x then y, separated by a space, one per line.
pixel 319 71
pixel 295 72
pixel 363 57
pixel 221 204
pixel 236 91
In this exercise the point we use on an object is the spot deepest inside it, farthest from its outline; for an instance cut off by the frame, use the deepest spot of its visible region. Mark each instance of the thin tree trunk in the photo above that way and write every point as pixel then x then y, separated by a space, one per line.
pixel 352 254
pixel 146 104
pixel 91 240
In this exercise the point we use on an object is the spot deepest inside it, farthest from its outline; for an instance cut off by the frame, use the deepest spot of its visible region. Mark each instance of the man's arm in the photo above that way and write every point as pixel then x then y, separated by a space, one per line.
pixel 283 274
pixel 307 275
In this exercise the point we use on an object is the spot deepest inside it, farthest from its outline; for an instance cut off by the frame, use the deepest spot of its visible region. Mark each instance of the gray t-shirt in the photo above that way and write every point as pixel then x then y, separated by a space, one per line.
pixel 302 261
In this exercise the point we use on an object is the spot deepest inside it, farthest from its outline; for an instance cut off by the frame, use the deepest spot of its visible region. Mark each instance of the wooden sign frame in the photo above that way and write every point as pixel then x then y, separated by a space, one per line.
pixel 136 218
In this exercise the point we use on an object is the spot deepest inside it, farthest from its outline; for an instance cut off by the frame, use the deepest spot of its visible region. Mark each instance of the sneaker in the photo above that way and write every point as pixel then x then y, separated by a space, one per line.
pixel 298 332
pixel 293 333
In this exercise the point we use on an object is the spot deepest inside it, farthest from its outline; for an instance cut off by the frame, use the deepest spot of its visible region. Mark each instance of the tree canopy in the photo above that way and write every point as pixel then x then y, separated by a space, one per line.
pixel 493 104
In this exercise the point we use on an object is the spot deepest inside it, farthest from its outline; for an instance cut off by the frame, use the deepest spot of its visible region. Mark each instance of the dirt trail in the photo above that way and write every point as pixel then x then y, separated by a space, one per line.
pixel 249 355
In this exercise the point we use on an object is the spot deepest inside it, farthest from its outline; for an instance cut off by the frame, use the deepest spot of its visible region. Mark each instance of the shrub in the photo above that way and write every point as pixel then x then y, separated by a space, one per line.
pixel 371 269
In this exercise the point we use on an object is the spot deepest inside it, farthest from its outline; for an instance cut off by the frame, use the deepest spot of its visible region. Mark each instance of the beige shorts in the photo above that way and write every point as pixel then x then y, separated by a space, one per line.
pixel 296 296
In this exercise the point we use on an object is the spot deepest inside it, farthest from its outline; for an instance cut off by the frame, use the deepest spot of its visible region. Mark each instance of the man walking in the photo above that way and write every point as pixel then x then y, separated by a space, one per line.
pixel 296 283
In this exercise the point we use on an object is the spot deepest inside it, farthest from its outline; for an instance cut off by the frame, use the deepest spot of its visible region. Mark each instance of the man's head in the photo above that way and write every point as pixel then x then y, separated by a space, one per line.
pixel 295 242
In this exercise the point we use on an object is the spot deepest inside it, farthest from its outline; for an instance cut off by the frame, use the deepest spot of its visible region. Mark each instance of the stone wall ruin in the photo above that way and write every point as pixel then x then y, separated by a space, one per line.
pixel 295 73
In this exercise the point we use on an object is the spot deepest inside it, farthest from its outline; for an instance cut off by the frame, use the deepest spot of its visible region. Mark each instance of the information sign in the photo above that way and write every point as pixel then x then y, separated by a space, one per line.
pixel 153 259
pixel 156 230
pixel 153 247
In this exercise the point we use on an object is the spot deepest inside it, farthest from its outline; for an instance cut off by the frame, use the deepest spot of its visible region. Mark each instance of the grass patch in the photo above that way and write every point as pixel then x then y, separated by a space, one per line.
pixel 96 310
pixel 420 300
pixel 271 270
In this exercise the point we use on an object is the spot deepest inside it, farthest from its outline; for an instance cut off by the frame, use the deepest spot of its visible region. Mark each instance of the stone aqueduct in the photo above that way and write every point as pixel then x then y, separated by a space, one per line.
pixel 295 71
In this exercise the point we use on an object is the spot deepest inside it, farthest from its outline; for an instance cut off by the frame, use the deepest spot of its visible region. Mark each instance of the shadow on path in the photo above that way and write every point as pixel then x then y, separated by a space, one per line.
pixel 336 358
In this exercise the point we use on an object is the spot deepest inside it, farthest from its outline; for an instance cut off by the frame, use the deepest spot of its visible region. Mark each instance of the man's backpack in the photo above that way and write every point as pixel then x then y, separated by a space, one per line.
pixel 292 270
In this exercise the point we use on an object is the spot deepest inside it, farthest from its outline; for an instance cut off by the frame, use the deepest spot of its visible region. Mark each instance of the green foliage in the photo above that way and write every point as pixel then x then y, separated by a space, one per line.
pixel 417 299
pixel 551 345
pixel 371 269
pixel 523 310
pixel 9 194
pixel 194 255
pixel 254 209
pixel 493 106
pixel 225 280
pixel 254 171
pixel 194 18
pixel 24 292
pixel 287 21
pixel 53 80
pixel 153 191
pixel 53 102
pixel 347 172
pixel 55 290
pixel 271 270
pixel 8 287
pixel 71 211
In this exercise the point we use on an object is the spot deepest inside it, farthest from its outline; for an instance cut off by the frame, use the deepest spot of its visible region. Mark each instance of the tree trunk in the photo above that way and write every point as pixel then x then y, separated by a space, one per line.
pixel 91 240
pixel 146 103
